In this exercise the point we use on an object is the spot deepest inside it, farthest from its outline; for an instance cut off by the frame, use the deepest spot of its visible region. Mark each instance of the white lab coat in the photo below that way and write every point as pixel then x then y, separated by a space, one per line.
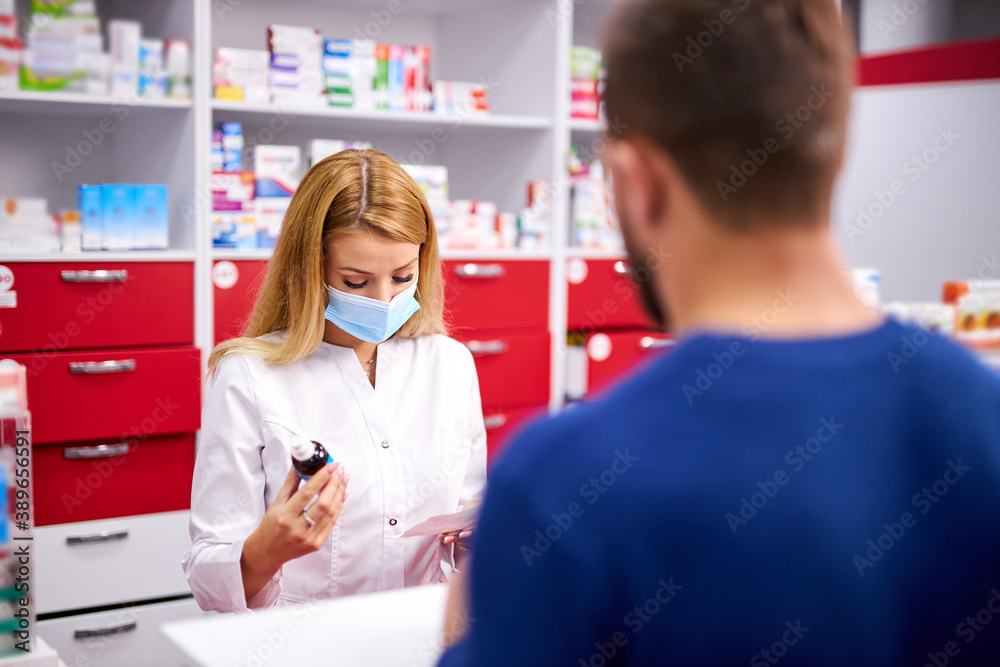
pixel 414 444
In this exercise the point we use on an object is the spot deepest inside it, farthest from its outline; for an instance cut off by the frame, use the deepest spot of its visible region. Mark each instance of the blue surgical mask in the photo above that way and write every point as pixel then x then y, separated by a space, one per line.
pixel 370 319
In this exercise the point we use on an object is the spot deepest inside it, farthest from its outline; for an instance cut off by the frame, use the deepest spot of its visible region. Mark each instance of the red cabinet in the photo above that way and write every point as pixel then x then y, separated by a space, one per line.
pixel 502 423
pixel 84 481
pixel 613 354
pixel 235 288
pixel 512 368
pixel 602 295
pixel 113 384
pixel 485 295
pixel 500 311
pixel 81 305
pixel 117 393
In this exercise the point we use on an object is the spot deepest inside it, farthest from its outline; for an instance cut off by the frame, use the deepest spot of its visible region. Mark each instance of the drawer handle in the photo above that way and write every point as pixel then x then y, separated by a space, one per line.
pixel 93 538
pixel 104 632
pixel 480 271
pixel 650 343
pixel 494 421
pixel 622 269
pixel 100 276
pixel 483 347
pixel 97 367
pixel 96 451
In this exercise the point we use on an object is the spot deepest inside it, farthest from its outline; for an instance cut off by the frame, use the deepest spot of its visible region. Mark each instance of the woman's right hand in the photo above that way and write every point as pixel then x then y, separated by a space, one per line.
pixel 284 534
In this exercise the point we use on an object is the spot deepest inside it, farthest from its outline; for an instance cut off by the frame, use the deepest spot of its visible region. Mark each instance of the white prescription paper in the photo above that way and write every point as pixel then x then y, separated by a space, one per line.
pixel 446 523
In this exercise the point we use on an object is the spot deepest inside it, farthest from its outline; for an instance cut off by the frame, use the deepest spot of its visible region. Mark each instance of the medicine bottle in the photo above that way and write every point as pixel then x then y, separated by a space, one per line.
pixel 309 457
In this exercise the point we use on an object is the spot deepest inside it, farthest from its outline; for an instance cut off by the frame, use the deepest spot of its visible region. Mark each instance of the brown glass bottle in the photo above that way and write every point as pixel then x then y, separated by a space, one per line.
pixel 309 457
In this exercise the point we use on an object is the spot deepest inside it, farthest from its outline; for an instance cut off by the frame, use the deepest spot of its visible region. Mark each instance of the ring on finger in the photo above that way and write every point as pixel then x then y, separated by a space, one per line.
pixel 309 519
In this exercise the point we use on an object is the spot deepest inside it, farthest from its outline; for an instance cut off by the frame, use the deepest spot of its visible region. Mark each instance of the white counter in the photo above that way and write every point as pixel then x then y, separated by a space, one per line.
pixel 398 628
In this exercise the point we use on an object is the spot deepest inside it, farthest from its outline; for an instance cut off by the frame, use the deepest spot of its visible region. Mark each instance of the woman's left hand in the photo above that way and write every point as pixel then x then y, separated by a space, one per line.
pixel 463 534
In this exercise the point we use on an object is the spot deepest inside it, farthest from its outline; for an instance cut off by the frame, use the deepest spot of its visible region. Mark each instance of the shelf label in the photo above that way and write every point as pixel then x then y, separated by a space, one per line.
pixel 599 347
pixel 576 271
pixel 225 274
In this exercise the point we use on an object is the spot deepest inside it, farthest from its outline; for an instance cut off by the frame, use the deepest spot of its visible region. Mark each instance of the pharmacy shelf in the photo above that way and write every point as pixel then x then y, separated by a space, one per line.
pixel 494 255
pixel 595 253
pixel 386 118
pixel 584 125
pixel 77 104
pixel 238 254
pixel 7 255
pixel 451 254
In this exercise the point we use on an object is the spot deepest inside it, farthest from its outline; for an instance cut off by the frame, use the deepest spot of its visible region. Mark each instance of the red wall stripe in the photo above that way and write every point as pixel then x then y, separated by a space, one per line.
pixel 957 61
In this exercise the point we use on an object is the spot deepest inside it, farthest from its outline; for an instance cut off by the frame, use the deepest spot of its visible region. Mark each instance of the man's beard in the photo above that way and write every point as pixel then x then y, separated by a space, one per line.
pixel 647 290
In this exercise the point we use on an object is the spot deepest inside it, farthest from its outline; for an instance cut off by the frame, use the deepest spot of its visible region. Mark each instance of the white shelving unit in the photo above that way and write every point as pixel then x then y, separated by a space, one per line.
pixel 584 125
pixel 386 118
pixel 520 48
pixel 77 104
pixel 125 256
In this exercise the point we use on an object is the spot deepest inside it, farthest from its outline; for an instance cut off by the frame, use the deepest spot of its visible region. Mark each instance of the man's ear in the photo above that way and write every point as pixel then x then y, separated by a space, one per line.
pixel 640 189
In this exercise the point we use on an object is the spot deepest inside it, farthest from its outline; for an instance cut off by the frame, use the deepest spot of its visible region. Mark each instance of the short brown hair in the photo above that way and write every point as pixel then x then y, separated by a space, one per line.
pixel 748 97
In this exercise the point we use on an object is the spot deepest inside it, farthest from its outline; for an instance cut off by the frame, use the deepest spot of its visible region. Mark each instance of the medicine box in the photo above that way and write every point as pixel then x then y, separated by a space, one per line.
pixel 118 204
pixel 91 216
pixel 270 213
pixel 151 227
pixel 277 170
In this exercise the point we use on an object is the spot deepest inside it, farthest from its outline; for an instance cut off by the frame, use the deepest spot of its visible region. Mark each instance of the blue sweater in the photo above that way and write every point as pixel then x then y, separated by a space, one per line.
pixel 823 502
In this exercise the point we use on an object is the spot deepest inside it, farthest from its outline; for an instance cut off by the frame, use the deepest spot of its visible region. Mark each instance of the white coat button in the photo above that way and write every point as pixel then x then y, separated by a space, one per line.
pixel 385 444
pixel 392 522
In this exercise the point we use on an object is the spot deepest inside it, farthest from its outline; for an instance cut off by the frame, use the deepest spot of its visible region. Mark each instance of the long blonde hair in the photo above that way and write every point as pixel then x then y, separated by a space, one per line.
pixel 348 192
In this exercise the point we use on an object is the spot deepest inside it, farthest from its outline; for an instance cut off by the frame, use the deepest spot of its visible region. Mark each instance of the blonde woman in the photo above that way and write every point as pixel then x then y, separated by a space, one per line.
pixel 346 347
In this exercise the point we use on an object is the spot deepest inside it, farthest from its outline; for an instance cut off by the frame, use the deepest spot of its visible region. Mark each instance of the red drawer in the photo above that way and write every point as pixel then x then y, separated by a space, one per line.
pixel 80 305
pixel 612 354
pixel 501 423
pixel 72 396
pixel 106 479
pixel 496 295
pixel 602 295
pixel 236 285
pixel 513 369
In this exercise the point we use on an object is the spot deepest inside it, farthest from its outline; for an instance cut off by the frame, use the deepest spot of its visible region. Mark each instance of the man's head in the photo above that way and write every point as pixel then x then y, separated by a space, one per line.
pixel 734 112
